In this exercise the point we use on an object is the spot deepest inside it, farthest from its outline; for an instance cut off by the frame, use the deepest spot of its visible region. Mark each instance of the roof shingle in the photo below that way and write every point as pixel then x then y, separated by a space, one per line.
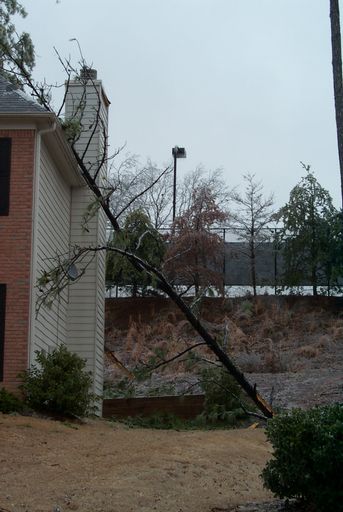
pixel 13 100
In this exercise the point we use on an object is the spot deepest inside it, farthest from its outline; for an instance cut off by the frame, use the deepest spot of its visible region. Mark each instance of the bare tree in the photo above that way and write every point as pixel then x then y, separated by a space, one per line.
pixel 131 178
pixel 337 79
pixel 58 277
pixel 250 219
pixel 202 179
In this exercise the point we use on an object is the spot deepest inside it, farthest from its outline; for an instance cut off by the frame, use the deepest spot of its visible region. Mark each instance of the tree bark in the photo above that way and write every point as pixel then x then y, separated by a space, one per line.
pixel 253 267
pixel 337 79
pixel 226 361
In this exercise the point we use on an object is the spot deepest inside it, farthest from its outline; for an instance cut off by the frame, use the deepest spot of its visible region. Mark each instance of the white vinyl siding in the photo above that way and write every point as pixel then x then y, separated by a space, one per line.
pixel 86 297
pixel 52 240
pixel 100 304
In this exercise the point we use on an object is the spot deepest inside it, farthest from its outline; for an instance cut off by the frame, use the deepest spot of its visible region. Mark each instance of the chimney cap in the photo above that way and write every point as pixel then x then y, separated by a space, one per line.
pixel 87 73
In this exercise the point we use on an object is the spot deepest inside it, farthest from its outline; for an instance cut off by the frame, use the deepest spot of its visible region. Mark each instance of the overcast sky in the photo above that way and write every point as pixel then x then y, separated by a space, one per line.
pixel 244 85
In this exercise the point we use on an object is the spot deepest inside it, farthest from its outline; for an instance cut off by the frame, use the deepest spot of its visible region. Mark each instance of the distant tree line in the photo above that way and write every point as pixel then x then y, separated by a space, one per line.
pixel 307 231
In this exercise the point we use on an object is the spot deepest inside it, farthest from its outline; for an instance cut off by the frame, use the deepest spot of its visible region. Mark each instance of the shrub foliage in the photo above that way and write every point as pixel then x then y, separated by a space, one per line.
pixel 59 384
pixel 9 402
pixel 308 457
pixel 223 397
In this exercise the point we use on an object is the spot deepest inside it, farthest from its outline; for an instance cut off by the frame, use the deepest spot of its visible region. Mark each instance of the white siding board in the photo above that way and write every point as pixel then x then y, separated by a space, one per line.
pixel 56 206
pixel 84 297
pixel 53 215
pixel 47 248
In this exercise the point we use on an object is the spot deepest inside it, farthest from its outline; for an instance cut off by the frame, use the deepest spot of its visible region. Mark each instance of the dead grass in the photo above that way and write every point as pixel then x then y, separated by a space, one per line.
pixel 336 330
pixel 308 351
pixel 271 337
pixel 103 467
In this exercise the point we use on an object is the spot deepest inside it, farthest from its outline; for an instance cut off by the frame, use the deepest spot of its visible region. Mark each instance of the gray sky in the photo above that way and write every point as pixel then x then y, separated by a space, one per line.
pixel 245 85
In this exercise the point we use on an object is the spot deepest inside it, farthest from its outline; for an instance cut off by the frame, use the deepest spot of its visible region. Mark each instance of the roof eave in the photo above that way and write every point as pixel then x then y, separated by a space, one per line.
pixel 55 139
pixel 37 117
pixel 61 149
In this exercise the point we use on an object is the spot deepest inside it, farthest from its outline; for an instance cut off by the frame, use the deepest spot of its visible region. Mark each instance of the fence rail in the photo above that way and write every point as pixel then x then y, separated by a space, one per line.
pixel 186 407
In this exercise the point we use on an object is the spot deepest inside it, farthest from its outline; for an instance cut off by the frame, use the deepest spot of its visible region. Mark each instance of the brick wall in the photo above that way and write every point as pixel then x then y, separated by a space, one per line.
pixel 187 407
pixel 15 254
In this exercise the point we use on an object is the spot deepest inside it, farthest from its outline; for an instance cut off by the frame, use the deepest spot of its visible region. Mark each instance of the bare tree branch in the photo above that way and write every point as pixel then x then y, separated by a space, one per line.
pixel 174 358
pixel 141 193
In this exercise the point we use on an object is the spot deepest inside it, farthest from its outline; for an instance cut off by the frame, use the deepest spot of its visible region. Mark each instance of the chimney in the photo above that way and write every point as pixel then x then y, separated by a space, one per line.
pixel 87 103
pixel 88 73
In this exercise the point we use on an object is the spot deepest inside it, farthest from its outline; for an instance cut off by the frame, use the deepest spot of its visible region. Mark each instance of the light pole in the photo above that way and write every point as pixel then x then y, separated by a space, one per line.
pixel 177 153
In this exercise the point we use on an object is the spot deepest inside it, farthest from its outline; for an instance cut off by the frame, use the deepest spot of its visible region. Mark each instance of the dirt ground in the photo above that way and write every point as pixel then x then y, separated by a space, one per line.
pixel 49 466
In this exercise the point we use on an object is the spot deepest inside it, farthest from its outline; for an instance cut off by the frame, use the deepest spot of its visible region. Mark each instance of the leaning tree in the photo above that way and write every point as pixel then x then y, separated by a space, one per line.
pixel 57 277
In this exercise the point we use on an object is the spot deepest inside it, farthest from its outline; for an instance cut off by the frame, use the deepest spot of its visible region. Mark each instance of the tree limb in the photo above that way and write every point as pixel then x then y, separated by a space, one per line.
pixel 180 354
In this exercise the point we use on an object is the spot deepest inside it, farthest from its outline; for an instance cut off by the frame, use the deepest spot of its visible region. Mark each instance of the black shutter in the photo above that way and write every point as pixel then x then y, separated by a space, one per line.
pixel 5 171
pixel 2 328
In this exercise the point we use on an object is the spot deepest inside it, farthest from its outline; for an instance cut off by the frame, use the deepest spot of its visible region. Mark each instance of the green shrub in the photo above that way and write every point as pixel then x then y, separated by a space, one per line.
pixel 223 397
pixel 165 421
pixel 124 388
pixel 9 402
pixel 59 384
pixel 158 420
pixel 308 457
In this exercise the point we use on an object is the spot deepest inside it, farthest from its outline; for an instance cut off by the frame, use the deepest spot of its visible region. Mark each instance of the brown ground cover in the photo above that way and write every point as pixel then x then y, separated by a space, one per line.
pixel 48 466
pixel 292 347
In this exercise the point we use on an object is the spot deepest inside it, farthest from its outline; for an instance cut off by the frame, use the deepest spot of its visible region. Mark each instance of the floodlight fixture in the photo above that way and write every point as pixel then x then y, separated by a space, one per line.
pixel 177 152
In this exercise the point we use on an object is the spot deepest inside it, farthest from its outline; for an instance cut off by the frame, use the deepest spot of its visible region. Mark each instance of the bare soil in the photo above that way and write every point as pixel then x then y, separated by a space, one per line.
pixel 49 466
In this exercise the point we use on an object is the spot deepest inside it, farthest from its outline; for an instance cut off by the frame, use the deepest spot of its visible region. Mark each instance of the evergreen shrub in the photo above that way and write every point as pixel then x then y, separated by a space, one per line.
pixel 59 384
pixel 9 402
pixel 223 397
pixel 307 460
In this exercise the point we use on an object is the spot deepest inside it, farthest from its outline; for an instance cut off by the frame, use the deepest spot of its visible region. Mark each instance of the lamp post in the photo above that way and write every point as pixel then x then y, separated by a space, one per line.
pixel 177 153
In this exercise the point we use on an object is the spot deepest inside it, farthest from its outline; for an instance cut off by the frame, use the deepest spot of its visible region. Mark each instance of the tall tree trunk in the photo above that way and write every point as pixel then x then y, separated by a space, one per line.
pixel 314 282
pixel 253 274
pixel 337 79
pixel 253 266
